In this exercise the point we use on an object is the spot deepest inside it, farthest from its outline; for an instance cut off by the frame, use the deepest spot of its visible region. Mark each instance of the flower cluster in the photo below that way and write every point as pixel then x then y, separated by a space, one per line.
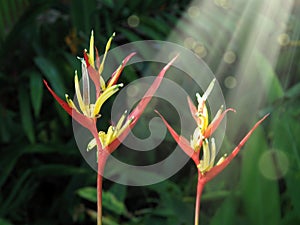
pixel 201 138
pixel 86 113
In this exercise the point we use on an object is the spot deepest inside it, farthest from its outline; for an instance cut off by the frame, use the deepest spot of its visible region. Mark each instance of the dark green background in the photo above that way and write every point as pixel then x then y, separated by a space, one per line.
pixel 44 179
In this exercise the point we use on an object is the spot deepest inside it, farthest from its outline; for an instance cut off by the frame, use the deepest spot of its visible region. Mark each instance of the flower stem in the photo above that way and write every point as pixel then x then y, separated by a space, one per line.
pixel 200 186
pixel 102 158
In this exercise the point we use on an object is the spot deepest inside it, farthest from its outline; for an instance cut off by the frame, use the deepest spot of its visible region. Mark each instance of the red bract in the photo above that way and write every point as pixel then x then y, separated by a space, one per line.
pixel 110 141
pixel 199 140
pixel 185 145
pixel 87 113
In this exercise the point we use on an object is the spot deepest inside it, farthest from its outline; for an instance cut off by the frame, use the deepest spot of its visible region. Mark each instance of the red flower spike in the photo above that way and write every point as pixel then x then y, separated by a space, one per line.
pixel 139 109
pixel 214 124
pixel 193 110
pixel 115 76
pixel 181 141
pixel 97 58
pixel 83 120
pixel 137 112
pixel 86 58
pixel 218 168
pixel 94 75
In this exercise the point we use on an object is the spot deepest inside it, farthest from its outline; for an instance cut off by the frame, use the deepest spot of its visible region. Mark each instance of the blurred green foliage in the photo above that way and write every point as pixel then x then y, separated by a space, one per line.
pixel 43 178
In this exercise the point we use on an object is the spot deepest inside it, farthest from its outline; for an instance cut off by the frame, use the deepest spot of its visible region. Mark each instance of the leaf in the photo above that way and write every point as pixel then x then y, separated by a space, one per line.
pixel 82 15
pixel 26 117
pixel 109 200
pixel 226 214
pixel 58 170
pixel 260 195
pixel 130 35
pixel 5 222
pixel 88 193
pixel 36 91
pixel 294 91
pixel 119 191
pixel 12 198
pixel 108 3
pixel 108 221
pixel 52 74
pixel 285 140
pixel 8 162
pixel 150 32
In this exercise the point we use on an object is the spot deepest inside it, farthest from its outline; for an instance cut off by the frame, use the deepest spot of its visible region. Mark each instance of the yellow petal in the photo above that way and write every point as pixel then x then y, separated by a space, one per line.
pixel 70 102
pixel 205 118
pixel 109 135
pixel 105 53
pixel 91 50
pixel 201 100
pixel 213 153
pixel 104 96
pixel 209 89
pixel 206 154
pixel 78 94
pixel 102 137
pixel 93 143
pixel 102 83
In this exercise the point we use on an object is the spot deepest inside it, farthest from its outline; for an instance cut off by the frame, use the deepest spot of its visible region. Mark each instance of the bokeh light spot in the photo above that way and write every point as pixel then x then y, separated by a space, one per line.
pixel 230 82
pixel 200 50
pixel 229 57
pixel 273 164
pixel 133 21
pixel 189 42
pixel 193 11
pixel 225 4
pixel 283 39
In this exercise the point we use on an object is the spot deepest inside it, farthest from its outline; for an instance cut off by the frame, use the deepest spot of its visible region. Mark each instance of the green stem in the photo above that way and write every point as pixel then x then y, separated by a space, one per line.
pixel 200 186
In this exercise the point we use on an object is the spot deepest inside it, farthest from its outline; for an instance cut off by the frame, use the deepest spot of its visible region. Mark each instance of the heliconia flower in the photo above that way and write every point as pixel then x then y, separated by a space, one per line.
pixel 200 138
pixel 207 169
pixel 116 134
pixel 86 112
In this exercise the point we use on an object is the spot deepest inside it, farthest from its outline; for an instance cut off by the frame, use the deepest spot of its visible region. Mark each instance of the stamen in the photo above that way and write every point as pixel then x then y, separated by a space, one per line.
pixel 91 144
pixel 121 121
pixel 127 123
pixel 213 153
pixel 221 159
pixel 109 135
pixel 206 154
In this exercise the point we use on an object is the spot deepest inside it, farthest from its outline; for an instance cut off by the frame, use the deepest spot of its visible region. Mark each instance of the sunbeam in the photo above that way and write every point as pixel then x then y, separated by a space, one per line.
pixel 239 41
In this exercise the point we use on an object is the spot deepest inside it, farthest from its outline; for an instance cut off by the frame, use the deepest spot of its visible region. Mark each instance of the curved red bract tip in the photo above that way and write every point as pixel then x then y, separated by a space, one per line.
pixel 83 120
pixel 218 168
